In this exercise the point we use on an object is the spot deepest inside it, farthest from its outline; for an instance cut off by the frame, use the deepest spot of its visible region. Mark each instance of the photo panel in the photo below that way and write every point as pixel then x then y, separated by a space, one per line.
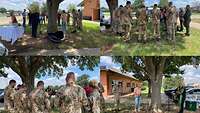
pixel 144 84
pixel 50 84
pixel 50 27
pixel 150 27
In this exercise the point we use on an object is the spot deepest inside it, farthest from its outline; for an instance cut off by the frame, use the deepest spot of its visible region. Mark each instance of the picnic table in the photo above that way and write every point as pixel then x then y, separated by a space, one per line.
pixel 11 32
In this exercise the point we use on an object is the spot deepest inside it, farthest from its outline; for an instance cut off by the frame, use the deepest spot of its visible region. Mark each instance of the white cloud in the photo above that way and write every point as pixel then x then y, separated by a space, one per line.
pixel 191 74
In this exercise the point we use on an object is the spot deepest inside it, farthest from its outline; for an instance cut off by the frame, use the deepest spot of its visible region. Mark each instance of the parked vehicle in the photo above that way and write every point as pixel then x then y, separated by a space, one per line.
pixel 193 94
pixel 3 50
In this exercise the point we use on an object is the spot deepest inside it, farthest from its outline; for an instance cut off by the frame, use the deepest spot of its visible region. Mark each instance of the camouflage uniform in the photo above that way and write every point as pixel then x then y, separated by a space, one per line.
pixel 75 19
pixel 142 21
pixel 79 21
pixel 9 99
pixel 40 103
pixel 126 21
pixel 94 100
pixel 21 104
pixel 72 99
pixel 114 21
pixel 118 20
pixel 102 100
pixel 171 22
pixel 117 93
pixel 156 22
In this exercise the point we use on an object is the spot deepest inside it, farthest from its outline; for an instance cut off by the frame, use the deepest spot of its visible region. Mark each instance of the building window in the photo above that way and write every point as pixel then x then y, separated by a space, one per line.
pixel 128 84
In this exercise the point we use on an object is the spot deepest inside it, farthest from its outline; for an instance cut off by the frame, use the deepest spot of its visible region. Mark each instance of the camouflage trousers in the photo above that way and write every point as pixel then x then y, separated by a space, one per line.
pixel 171 31
pixel 127 30
pixel 9 107
pixel 117 26
pixel 156 30
pixel 142 32
pixel 75 24
pixel 79 24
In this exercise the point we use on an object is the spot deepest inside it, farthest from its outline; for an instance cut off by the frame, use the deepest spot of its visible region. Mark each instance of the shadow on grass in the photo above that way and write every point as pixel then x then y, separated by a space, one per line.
pixel 88 38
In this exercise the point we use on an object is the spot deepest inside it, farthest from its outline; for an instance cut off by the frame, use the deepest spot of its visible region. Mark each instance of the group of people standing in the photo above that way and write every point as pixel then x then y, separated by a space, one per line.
pixel 63 19
pixel 117 91
pixel 122 21
pixel 69 98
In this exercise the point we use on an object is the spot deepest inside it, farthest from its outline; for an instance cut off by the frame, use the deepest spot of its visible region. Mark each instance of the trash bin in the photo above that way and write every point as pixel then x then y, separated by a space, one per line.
pixel 191 105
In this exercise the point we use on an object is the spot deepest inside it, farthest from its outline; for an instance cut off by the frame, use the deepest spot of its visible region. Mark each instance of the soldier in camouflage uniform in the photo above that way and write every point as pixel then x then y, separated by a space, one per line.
pixel 171 21
pixel 114 21
pixel 126 20
pixel 39 99
pixel 80 19
pixel 21 104
pixel 75 20
pixel 94 97
pixel 102 100
pixel 9 96
pixel 72 98
pixel 119 18
pixel 156 21
pixel 142 22
pixel 117 93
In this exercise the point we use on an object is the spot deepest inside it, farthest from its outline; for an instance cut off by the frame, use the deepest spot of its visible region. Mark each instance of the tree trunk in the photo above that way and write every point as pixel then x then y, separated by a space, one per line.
pixel 29 81
pixel 52 6
pixel 112 4
pixel 156 95
pixel 149 88
pixel 155 68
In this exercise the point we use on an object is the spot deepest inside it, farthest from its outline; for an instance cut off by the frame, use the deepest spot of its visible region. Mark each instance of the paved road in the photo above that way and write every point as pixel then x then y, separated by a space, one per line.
pixel 195 25
pixel 1 106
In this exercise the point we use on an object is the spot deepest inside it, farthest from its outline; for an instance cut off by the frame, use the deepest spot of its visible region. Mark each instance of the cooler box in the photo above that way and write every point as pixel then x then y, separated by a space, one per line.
pixel 191 105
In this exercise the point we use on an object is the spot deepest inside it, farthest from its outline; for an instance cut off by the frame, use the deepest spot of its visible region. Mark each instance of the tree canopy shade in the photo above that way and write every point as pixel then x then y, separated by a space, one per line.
pixel 154 68
pixel 163 3
pixel 36 66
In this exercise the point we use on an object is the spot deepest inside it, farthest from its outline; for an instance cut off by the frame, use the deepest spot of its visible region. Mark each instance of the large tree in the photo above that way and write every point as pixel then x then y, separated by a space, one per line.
pixel 112 5
pixel 155 68
pixel 36 66
pixel 52 6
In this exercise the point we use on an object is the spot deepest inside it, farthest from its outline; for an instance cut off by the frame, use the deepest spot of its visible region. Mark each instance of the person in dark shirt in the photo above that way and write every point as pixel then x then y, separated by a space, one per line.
pixel 35 19
pixel 29 18
pixel 59 17
pixel 181 19
pixel 24 18
pixel 187 20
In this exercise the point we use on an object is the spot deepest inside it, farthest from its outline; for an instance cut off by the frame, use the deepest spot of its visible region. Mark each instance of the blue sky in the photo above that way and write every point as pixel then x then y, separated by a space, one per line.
pixel 191 74
pixel 48 80
pixel 21 4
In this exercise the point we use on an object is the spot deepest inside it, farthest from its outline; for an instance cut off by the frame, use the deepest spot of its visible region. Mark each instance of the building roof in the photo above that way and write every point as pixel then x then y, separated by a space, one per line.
pixel 81 4
pixel 118 71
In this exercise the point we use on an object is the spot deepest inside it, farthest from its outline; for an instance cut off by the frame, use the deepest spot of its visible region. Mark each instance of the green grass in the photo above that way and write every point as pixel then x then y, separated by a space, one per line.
pixel 184 46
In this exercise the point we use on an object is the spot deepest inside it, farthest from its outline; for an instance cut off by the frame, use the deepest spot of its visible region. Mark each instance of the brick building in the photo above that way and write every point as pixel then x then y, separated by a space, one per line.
pixel 91 9
pixel 111 76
